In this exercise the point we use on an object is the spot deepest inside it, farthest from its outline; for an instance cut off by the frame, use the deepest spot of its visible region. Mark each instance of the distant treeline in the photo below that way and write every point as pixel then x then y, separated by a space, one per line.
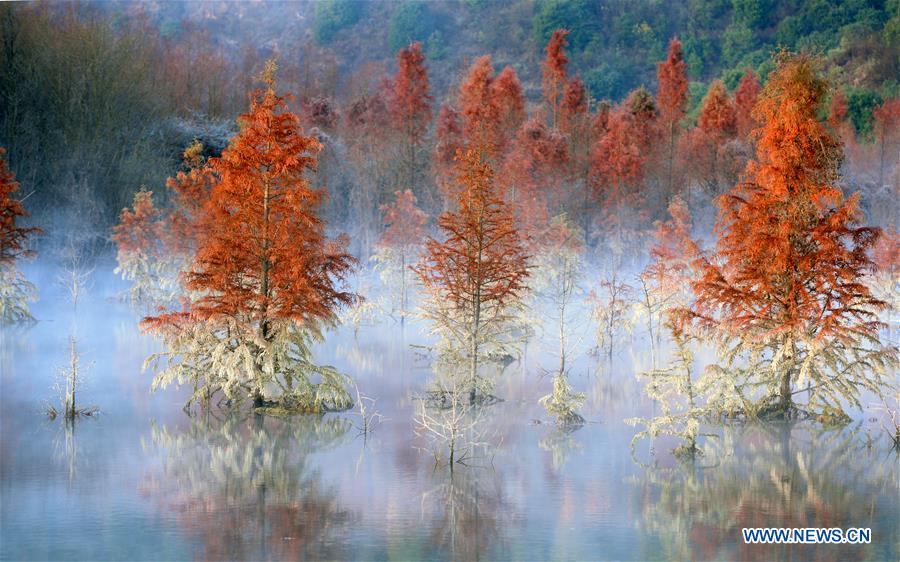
pixel 99 99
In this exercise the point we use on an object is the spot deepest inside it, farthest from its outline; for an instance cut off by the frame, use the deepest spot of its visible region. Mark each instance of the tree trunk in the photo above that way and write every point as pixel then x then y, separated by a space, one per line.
pixel 476 324
pixel 402 285
pixel 73 379
pixel 473 369
pixel 671 163
pixel 785 393
pixel 263 289
pixel 785 402
pixel 562 338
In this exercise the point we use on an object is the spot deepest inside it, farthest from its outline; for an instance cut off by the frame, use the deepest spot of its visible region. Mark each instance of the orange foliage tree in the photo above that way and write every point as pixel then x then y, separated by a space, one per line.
pixel 12 237
pixel 142 256
pixel 477 107
pixel 554 75
pixel 367 131
pixel 491 107
pixel 190 190
pixel 411 112
pixel 506 95
pixel 533 174
pixel 399 246
pixel 664 285
pixel 671 99
pixel 15 291
pixel 704 147
pixel 265 277
pixel 618 168
pixel 477 274
pixel 621 155
pixel 785 289
pixel 448 141
pixel 837 110
pixel 582 129
pixel 745 96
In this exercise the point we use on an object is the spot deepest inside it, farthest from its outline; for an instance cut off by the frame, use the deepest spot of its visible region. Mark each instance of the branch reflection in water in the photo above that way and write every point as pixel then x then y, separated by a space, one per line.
pixel 787 476
pixel 243 486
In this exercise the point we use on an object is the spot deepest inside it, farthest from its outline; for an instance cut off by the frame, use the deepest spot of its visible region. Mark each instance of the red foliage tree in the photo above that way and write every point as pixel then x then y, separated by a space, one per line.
pixel 837 111
pixel 478 110
pixel 665 282
pixel 554 73
pixel 368 130
pixel 403 235
pixel 619 159
pixel 600 120
pixel 12 237
pixel 619 165
pixel 703 147
pixel 745 96
pixel 262 257
pixel 404 221
pixel 534 174
pixel 582 131
pixel 449 139
pixel 785 284
pixel 506 94
pixel 479 269
pixel 191 188
pixel 574 106
pixel 321 113
pixel 144 239
pixel 717 116
pixel 140 228
pixel 411 109
pixel 671 100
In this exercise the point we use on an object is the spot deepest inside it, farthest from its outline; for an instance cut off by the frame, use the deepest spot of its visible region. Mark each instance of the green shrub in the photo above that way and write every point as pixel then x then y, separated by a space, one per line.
pixel 331 16
pixel 606 82
pixel 578 16
pixel 860 104
pixel 435 48
pixel 737 41
pixel 411 21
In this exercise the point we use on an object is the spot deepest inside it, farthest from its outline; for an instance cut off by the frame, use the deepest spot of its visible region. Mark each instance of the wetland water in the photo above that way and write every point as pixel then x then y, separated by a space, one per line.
pixel 144 481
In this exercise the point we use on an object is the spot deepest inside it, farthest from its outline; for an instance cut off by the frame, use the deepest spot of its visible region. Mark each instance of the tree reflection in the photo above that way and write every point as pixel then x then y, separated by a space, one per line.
pixel 560 443
pixel 472 512
pixel 765 476
pixel 243 486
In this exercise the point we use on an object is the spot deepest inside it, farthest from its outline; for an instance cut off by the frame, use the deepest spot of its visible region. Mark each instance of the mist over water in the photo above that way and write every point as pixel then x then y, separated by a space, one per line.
pixel 145 481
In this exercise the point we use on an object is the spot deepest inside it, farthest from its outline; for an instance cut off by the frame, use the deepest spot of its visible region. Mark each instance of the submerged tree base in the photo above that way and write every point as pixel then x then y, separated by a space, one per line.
pixel 570 421
pixel 291 406
pixel 777 412
pixel 90 411
pixel 446 399
pixel 687 451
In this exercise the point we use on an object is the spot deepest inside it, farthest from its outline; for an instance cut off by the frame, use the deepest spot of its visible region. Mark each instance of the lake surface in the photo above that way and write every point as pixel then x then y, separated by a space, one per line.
pixel 145 481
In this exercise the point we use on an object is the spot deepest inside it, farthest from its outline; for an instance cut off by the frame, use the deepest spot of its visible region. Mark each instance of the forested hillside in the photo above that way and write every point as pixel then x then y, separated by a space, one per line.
pixel 100 98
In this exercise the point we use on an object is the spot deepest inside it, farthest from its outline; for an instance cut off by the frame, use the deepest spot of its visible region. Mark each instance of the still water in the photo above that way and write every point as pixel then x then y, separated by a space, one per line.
pixel 144 481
